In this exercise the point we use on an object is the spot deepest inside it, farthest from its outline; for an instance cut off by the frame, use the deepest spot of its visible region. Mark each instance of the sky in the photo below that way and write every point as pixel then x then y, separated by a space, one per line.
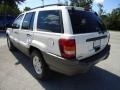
pixel 108 4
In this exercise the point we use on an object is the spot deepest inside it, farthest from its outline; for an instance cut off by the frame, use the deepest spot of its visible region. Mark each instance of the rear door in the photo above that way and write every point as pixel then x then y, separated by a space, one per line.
pixel 90 33
pixel 49 30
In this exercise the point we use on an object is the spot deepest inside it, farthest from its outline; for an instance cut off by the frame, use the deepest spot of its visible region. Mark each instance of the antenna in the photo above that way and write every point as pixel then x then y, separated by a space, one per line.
pixel 66 2
pixel 42 2
pixel 58 1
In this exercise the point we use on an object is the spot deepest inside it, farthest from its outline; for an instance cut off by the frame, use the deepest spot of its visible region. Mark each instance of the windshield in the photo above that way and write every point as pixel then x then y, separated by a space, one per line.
pixel 85 22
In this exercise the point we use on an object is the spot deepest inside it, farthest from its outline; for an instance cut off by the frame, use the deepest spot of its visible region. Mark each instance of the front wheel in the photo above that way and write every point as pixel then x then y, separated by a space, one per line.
pixel 41 69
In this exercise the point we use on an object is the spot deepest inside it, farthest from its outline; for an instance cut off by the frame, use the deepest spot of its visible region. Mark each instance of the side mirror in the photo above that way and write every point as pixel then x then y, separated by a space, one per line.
pixel 14 26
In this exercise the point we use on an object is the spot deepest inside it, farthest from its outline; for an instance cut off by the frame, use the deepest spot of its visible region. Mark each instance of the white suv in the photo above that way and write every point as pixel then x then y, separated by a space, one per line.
pixel 62 38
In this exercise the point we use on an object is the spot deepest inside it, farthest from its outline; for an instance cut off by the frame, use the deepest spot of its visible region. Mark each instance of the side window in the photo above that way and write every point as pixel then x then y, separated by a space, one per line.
pixel 28 21
pixel 50 21
pixel 17 22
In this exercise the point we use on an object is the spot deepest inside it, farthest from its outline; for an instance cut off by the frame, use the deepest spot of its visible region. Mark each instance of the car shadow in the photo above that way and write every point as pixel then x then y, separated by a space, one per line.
pixel 95 79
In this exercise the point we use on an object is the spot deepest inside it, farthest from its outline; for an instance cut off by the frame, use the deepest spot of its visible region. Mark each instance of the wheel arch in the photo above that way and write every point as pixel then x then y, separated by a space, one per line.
pixel 32 48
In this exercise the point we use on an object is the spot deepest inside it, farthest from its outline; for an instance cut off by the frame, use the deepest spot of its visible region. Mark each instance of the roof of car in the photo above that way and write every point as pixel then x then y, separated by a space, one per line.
pixel 54 7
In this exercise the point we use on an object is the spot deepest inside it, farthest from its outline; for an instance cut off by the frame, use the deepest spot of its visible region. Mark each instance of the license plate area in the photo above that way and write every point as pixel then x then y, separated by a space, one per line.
pixel 96 44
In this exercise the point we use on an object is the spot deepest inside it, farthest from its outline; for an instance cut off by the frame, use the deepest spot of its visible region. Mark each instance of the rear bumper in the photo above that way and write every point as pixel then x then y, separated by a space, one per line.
pixel 71 67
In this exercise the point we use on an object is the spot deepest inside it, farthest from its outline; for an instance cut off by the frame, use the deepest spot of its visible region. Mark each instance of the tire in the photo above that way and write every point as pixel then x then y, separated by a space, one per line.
pixel 10 45
pixel 41 70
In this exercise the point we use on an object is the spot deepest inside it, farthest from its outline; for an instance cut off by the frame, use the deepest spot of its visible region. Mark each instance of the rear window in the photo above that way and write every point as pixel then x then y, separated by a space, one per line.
pixel 50 21
pixel 85 22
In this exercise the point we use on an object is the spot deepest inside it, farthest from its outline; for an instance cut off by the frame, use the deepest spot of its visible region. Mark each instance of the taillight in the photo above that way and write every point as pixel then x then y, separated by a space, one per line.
pixel 67 48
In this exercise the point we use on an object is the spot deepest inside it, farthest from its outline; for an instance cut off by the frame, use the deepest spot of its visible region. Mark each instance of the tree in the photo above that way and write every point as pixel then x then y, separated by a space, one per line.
pixel 66 2
pixel 27 8
pixel 112 20
pixel 87 4
pixel 106 19
pixel 115 19
pixel 12 2
pixel 10 7
pixel 81 3
pixel 100 6
pixel 8 10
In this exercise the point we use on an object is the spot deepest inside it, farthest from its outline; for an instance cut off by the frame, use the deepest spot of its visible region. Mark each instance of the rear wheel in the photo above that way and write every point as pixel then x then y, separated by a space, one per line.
pixel 41 70
pixel 10 45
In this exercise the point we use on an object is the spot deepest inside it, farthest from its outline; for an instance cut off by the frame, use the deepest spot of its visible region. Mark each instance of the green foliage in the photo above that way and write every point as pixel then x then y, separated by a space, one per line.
pixel 27 8
pixel 112 20
pixel 11 2
pixel 8 10
pixel 100 6
pixel 10 7
pixel 66 2
pixel 81 3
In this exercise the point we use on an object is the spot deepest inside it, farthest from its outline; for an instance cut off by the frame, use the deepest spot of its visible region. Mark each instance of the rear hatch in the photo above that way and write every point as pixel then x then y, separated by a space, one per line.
pixel 90 33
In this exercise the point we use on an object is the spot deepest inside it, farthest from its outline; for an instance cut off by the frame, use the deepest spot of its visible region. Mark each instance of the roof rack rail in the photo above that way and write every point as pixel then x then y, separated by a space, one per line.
pixel 49 5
